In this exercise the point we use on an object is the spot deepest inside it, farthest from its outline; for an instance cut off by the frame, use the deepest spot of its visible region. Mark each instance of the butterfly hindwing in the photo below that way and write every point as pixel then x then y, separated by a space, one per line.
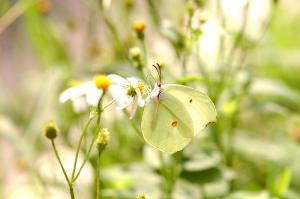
pixel 166 124
pixel 198 104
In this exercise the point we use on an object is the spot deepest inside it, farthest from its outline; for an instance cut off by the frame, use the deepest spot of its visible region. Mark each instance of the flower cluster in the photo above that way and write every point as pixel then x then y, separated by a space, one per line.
pixel 126 92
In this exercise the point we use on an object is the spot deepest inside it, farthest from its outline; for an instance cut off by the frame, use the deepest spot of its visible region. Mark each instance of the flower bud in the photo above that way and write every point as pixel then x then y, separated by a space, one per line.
pixel 43 6
pixel 141 196
pixel 102 139
pixel 50 130
pixel 135 56
pixel 135 53
pixel 138 26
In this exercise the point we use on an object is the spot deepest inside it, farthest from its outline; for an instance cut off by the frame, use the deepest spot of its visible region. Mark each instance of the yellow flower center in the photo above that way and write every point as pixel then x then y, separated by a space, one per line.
pixel 102 82
pixel 138 26
pixel 141 87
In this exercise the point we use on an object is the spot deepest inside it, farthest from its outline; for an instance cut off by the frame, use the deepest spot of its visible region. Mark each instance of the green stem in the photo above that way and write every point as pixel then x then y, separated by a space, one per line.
pixel 86 157
pixel 13 13
pixel 83 133
pixel 114 33
pixel 134 126
pixel 154 12
pixel 144 51
pixel 204 72
pixel 98 175
pixel 169 177
pixel 63 170
pixel 99 110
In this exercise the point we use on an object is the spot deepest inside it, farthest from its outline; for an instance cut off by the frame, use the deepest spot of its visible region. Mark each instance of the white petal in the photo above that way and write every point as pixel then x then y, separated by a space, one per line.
pixel 72 93
pixel 134 108
pixel 79 104
pixel 125 104
pixel 117 80
pixel 93 96
pixel 119 94
pixel 140 100
pixel 133 81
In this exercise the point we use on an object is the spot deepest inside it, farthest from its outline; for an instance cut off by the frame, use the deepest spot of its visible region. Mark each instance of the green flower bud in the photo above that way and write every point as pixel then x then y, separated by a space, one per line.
pixel 141 196
pixel 50 130
pixel 135 56
pixel 135 53
pixel 102 139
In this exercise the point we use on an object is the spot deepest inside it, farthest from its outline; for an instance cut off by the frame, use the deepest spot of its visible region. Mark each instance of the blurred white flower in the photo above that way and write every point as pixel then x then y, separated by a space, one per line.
pixel 127 93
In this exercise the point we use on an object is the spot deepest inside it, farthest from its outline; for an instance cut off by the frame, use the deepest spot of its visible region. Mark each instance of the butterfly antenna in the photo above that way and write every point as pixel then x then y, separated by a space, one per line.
pixel 158 70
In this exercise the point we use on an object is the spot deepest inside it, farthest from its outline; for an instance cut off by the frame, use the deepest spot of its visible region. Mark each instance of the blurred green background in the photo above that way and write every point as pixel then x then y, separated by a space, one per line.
pixel 244 54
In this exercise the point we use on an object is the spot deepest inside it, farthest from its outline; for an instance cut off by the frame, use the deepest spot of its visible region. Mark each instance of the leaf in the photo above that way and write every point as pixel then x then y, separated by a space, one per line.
pixel 202 176
pixel 280 181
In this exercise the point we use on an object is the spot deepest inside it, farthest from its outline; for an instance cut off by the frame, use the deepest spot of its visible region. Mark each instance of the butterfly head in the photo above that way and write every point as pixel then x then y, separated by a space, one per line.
pixel 157 89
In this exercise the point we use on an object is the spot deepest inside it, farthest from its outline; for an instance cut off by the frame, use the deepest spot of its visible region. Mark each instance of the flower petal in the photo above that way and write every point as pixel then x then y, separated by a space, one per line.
pixel 133 81
pixel 72 93
pixel 117 80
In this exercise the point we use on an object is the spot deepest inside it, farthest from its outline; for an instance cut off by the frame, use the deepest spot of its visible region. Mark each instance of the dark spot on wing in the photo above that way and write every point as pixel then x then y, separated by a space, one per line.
pixel 191 100
pixel 174 124
pixel 209 123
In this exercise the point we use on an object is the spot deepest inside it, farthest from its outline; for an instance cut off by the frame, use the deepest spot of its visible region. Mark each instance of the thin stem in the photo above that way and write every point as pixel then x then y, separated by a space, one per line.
pixel 100 110
pixel 114 32
pixel 134 126
pixel 154 12
pixel 98 175
pixel 144 51
pixel 169 178
pixel 63 169
pixel 225 73
pixel 237 41
pixel 83 133
pixel 202 192
pixel 222 39
pixel 203 71
pixel 13 13
pixel 86 158
pixel 108 104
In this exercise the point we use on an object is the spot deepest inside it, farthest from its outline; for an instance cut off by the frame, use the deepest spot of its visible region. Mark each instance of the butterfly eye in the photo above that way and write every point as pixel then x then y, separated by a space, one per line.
pixel 191 100
pixel 174 124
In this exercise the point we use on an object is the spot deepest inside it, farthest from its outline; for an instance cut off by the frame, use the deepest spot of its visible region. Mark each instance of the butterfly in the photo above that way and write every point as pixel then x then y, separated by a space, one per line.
pixel 174 114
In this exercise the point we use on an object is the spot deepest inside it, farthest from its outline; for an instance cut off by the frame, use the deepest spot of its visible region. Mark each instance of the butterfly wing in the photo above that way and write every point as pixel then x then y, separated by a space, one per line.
pixel 198 104
pixel 166 124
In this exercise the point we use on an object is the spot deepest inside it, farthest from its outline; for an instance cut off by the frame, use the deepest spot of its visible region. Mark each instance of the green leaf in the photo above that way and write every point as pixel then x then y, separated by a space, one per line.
pixel 202 176
pixel 280 182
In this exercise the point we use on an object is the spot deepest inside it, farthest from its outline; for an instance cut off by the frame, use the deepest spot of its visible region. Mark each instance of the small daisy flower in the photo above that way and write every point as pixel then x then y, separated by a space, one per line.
pixel 127 93
pixel 86 93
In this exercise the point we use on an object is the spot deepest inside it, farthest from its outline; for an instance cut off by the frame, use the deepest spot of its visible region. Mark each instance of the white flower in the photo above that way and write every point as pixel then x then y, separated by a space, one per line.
pixel 127 93
pixel 82 95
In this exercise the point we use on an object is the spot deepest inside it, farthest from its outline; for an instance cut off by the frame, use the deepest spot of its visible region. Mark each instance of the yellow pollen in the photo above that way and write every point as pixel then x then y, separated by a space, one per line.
pixel 74 83
pixel 138 26
pixel 102 82
pixel 141 87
